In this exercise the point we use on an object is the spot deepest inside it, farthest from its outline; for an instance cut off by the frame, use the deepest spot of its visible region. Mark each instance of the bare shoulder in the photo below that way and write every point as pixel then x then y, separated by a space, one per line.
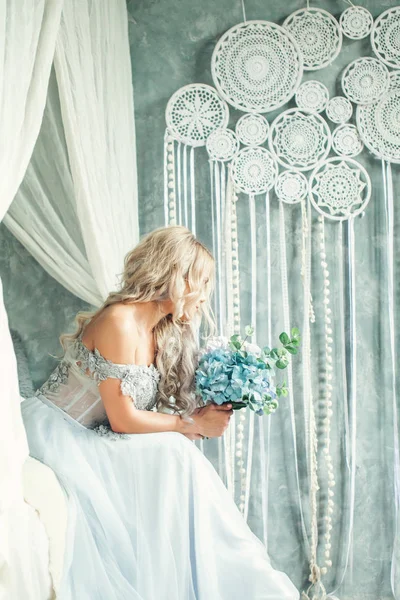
pixel 114 333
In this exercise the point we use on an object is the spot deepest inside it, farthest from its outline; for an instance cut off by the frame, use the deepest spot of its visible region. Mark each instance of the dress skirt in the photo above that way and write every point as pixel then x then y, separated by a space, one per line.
pixel 149 518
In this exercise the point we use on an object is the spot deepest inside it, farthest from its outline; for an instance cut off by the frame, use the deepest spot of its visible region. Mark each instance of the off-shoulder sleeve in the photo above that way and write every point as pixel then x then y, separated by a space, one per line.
pixel 137 381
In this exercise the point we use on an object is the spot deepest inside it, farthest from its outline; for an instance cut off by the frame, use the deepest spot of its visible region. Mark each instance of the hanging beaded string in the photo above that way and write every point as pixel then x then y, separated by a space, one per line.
pixel 236 328
pixel 250 439
pixel 328 397
pixel 230 433
pixel 165 168
pixel 316 585
pixel 316 588
pixel 169 173
pixel 305 230
pixel 225 270
pixel 312 438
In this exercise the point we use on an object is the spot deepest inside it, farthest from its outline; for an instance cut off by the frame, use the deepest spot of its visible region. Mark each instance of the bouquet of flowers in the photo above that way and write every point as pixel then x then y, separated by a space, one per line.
pixel 241 373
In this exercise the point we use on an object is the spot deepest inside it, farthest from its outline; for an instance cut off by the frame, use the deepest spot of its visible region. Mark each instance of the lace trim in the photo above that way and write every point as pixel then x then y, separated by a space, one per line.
pixel 57 377
pixel 137 381
pixel 105 430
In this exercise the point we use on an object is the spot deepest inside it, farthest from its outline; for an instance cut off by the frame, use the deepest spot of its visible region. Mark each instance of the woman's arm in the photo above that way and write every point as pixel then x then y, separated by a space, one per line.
pixel 117 339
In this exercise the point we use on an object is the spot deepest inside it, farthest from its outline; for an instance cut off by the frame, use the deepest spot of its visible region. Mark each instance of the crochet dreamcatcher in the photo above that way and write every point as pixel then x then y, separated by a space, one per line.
pixel 257 67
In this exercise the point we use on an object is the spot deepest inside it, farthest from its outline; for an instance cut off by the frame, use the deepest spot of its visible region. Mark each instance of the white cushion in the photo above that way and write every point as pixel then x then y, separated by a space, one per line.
pixel 43 492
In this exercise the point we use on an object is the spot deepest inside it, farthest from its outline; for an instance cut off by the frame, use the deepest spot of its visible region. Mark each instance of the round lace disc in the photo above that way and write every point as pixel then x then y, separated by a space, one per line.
pixel 299 140
pixel 291 186
pixel 339 188
pixel 222 144
pixel 379 124
pixel 257 66
pixel 385 37
pixel 318 34
pixel 339 109
pixel 346 140
pixel 193 112
pixel 252 130
pixel 365 80
pixel 254 170
pixel 312 96
pixel 356 22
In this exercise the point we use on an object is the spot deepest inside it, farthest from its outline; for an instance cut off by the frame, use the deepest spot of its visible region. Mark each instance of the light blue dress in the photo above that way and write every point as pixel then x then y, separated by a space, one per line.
pixel 149 518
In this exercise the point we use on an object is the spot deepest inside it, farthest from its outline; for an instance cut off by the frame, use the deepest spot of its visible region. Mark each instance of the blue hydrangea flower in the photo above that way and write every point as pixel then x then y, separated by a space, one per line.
pixel 226 375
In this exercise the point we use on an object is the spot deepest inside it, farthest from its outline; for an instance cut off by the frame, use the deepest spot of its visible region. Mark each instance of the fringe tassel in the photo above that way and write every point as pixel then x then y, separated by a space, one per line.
pixel 192 191
pixel 394 580
pixel 251 413
pixel 286 318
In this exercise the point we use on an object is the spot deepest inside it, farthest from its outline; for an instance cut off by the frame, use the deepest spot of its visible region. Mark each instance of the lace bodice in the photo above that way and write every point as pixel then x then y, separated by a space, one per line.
pixel 75 391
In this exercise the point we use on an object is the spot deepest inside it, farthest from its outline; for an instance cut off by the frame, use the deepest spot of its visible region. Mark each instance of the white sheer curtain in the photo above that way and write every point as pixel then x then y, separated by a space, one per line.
pixel 77 209
pixel 43 214
pixel 92 63
pixel 28 33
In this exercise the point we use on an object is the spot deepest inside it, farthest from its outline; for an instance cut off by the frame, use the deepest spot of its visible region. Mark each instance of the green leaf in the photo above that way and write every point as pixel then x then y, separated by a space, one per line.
pixel 249 330
pixel 281 389
pixel 282 363
pixel 290 348
pixel 284 338
pixel 235 338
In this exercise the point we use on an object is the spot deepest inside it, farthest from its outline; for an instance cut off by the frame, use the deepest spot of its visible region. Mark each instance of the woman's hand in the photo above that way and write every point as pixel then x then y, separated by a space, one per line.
pixel 195 436
pixel 211 420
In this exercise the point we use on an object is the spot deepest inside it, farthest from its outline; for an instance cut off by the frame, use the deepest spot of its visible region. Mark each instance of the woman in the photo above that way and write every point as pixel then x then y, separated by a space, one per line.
pixel 148 516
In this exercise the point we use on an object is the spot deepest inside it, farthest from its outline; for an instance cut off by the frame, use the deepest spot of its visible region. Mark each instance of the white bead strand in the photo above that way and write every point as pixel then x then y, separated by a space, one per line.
pixel 327 394
pixel 171 185
pixel 236 328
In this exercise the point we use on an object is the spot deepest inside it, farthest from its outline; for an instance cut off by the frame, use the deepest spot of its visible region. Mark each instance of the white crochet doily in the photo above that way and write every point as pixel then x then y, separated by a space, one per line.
pixel 346 140
pixel 193 112
pixel 379 124
pixel 318 34
pixel 312 96
pixel 299 140
pixel 291 186
pixel 356 22
pixel 339 109
pixel 365 80
pixel 222 144
pixel 385 37
pixel 252 129
pixel 339 188
pixel 257 66
pixel 254 170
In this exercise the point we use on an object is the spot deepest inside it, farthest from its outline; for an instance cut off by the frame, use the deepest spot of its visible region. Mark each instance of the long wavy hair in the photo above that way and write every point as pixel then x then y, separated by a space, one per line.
pixel 157 269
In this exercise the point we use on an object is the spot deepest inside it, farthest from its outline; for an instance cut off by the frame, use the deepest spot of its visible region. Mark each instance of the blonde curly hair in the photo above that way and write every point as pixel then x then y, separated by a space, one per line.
pixel 157 269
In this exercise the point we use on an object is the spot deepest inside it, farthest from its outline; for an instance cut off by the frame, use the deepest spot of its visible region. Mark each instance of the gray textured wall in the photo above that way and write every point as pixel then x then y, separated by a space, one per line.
pixel 171 46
